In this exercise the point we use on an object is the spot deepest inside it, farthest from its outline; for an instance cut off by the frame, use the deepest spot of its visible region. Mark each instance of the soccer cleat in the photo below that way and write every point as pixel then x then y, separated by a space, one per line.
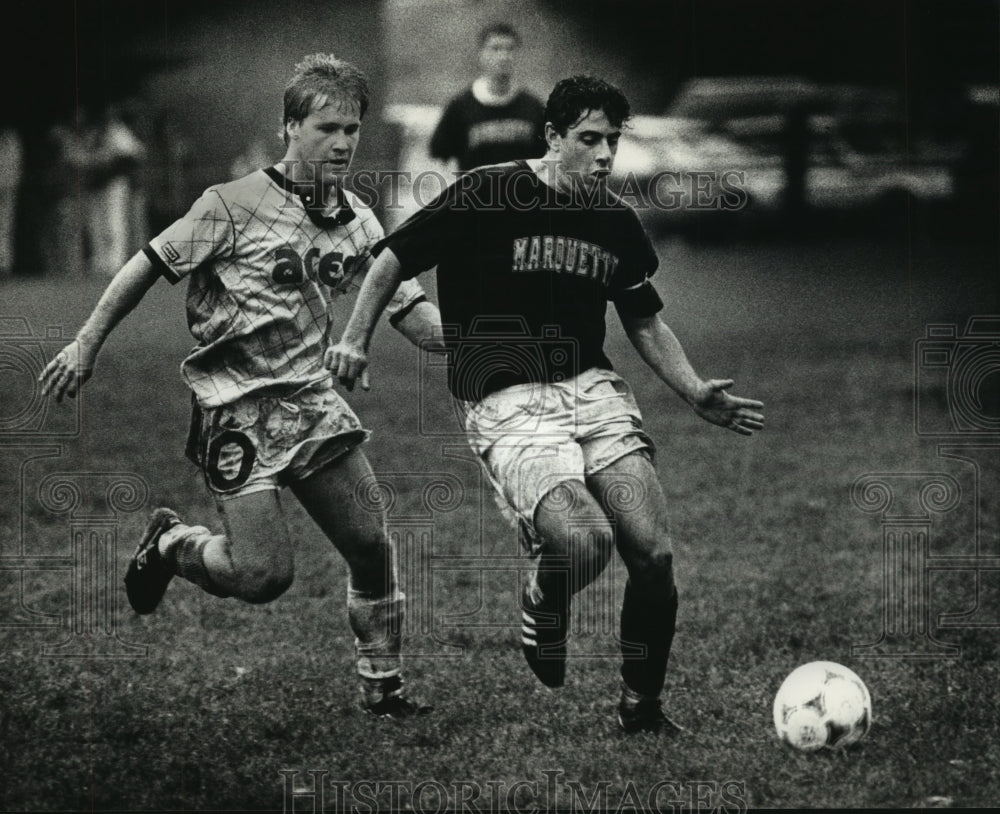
pixel 392 703
pixel 397 707
pixel 147 576
pixel 544 630
pixel 647 716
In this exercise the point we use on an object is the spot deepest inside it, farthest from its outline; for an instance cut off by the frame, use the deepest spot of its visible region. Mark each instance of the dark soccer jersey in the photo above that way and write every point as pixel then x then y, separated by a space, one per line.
pixel 478 134
pixel 524 276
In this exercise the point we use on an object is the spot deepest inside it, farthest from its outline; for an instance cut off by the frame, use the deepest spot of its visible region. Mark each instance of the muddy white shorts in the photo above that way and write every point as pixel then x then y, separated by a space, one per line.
pixel 263 442
pixel 532 437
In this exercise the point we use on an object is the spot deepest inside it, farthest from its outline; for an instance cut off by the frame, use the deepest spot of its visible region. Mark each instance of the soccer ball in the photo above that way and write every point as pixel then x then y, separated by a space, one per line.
pixel 822 705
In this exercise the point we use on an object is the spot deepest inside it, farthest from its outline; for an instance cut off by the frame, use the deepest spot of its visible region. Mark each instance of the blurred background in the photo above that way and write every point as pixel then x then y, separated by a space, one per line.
pixel 845 115
pixel 846 290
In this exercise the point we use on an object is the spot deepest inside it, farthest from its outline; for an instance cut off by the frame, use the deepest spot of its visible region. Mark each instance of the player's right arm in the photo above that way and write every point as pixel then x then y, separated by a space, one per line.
pixel 66 373
pixel 205 232
pixel 413 248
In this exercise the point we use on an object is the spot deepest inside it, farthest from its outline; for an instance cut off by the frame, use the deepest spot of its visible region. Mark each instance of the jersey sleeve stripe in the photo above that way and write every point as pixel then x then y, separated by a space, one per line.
pixel 396 318
pixel 160 265
pixel 637 285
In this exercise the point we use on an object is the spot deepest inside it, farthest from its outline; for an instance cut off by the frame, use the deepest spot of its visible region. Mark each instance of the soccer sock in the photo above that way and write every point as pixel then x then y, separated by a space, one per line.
pixel 377 622
pixel 550 583
pixel 649 621
pixel 182 549
pixel 630 698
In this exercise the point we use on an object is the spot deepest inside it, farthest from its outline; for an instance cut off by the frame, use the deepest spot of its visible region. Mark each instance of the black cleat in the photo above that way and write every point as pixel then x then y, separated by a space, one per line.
pixel 392 703
pixel 646 716
pixel 147 576
pixel 398 707
pixel 544 630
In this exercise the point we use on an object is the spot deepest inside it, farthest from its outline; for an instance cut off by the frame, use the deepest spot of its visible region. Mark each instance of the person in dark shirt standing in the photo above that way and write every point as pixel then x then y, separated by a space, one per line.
pixel 528 255
pixel 491 121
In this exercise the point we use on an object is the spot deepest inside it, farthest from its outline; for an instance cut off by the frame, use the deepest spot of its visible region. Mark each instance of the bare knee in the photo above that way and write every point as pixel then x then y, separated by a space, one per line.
pixel 568 516
pixel 575 531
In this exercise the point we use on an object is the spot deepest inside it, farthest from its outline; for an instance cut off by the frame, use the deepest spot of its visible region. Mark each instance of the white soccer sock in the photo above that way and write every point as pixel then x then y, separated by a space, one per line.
pixel 377 623
pixel 181 548
pixel 631 698
pixel 534 590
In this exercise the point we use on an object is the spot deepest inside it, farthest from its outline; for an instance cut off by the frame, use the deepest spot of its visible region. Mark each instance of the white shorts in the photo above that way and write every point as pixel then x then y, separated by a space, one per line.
pixel 532 437
pixel 260 443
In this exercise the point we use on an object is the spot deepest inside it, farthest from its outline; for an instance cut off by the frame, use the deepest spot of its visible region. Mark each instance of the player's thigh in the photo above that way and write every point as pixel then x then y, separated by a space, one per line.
pixel 343 499
pixel 630 493
pixel 259 544
pixel 568 512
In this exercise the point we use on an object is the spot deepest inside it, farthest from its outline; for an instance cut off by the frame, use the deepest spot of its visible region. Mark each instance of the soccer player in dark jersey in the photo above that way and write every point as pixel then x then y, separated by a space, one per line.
pixel 265 256
pixel 528 255
pixel 491 121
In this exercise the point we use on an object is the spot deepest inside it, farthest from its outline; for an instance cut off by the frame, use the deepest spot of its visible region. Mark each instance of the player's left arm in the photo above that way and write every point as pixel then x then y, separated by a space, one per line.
pixel 709 398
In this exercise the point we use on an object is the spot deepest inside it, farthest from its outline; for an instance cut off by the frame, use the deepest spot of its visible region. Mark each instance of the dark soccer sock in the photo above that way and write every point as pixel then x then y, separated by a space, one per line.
pixel 552 578
pixel 648 621
pixel 184 552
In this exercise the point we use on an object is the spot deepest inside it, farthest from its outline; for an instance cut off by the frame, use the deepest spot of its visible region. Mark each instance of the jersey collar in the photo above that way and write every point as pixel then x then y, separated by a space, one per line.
pixel 310 193
pixel 481 93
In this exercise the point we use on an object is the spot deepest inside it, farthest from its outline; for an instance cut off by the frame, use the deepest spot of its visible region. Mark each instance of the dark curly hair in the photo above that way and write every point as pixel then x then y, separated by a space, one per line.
pixel 571 99
pixel 317 78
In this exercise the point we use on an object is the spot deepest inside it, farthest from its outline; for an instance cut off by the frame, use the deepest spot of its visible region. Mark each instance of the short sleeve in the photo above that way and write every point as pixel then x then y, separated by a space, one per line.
pixel 631 289
pixel 409 294
pixel 421 241
pixel 206 232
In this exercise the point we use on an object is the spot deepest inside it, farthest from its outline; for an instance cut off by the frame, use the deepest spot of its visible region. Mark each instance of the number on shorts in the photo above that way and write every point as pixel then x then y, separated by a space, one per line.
pixel 215 476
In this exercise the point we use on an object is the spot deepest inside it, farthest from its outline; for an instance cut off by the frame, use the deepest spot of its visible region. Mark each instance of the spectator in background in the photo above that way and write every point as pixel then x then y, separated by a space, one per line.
pixel 113 198
pixel 492 121
pixel 57 221
pixel 11 162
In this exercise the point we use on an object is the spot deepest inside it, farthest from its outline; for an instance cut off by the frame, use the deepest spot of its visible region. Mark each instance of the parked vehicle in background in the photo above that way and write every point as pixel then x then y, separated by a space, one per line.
pixel 863 155
pixel 765 150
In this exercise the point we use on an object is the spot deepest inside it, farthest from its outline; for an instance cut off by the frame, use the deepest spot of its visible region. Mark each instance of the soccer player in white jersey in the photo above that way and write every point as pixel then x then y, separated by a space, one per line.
pixel 265 255
pixel 543 245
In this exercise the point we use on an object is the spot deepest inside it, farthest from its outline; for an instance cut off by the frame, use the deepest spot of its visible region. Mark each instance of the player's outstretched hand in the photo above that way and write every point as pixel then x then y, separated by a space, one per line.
pixel 348 364
pixel 732 412
pixel 66 373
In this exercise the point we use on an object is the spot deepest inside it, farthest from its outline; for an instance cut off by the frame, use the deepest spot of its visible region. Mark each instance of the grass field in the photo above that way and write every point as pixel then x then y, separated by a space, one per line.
pixel 776 567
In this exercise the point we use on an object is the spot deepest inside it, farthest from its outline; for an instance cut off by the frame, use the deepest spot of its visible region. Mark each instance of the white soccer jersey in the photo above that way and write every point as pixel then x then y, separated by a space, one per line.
pixel 264 264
